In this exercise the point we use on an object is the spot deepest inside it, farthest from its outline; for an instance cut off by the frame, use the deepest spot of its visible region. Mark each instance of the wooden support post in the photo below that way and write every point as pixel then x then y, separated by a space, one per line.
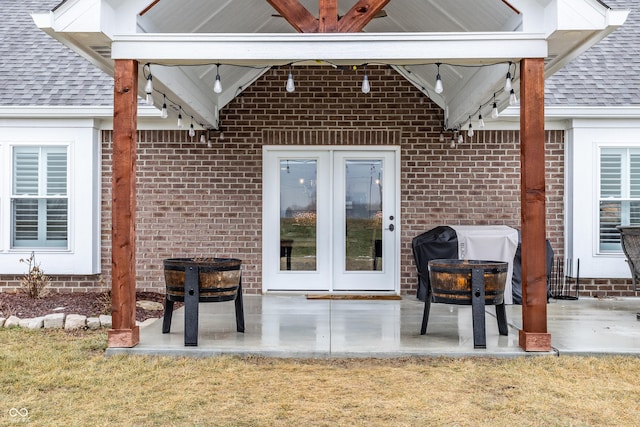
pixel 125 333
pixel 533 336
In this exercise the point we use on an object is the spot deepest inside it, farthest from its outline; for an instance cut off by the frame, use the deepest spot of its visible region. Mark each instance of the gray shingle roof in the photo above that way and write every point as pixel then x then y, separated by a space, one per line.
pixel 606 74
pixel 36 70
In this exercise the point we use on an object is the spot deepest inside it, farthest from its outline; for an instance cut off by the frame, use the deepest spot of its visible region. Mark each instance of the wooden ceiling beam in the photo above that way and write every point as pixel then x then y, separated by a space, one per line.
pixel 296 15
pixel 328 16
pixel 360 15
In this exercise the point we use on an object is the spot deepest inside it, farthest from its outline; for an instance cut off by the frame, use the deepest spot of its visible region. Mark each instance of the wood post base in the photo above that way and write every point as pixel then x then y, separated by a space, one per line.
pixel 534 341
pixel 123 338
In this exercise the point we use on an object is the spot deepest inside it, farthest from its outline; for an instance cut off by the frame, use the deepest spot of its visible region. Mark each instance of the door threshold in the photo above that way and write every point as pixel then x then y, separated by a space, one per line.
pixel 360 296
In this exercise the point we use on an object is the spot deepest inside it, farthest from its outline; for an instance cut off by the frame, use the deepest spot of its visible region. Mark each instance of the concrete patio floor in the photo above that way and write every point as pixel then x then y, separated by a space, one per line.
pixel 294 326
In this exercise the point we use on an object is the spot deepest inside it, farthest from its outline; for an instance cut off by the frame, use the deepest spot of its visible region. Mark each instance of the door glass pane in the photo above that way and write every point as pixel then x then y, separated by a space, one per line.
pixel 363 213
pixel 298 214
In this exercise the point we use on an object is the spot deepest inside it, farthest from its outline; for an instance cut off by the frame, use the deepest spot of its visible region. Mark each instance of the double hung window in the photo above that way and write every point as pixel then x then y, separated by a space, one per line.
pixel 39 199
pixel 619 194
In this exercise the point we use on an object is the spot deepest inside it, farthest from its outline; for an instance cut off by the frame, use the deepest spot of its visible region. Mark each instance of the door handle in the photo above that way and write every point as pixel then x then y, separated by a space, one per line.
pixel 391 227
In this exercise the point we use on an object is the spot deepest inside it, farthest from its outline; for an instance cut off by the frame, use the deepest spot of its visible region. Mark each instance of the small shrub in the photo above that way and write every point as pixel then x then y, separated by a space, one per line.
pixel 35 282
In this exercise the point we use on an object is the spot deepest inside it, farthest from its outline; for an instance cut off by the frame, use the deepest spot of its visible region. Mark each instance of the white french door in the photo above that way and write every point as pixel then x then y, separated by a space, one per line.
pixel 330 220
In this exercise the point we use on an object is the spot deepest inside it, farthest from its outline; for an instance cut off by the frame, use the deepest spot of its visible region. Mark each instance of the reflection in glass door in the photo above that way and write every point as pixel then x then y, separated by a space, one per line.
pixel 298 214
pixel 363 215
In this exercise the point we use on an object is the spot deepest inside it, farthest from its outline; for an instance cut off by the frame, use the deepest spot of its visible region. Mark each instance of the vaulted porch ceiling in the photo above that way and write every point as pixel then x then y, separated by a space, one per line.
pixel 474 41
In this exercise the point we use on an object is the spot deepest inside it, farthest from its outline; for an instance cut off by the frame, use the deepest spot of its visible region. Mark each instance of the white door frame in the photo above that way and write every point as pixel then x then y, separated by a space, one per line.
pixel 321 280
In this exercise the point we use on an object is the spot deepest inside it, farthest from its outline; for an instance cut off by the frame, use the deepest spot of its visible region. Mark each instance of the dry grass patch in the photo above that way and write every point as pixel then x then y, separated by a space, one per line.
pixel 65 379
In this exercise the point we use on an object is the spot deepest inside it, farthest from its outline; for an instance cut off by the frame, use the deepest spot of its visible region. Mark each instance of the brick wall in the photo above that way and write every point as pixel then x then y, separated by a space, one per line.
pixel 199 201
pixel 196 201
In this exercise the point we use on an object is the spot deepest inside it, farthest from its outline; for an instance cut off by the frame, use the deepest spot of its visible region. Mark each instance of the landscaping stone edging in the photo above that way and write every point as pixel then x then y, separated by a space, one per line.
pixel 61 321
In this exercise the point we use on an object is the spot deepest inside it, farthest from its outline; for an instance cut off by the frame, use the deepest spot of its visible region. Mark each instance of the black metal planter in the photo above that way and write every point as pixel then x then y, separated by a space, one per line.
pixel 195 280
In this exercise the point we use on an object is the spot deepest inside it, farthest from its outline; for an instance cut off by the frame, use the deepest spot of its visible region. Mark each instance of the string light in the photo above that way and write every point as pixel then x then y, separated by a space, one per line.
pixel 192 131
pixel 148 87
pixel 366 87
pixel 217 86
pixel 219 127
pixel 494 109
pixel 507 80
pixel 438 87
pixel 203 139
pixel 290 84
pixel 513 99
pixel 163 113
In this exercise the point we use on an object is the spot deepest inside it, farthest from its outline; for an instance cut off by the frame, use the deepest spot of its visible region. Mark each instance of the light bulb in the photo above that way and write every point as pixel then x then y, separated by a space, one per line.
pixel 366 87
pixel 179 121
pixel 221 135
pixel 192 131
pixel 209 145
pixel 439 87
pixel 441 138
pixel 163 113
pixel 507 82
pixel 513 99
pixel 203 139
pixel 460 138
pixel 217 86
pixel 470 131
pixel 148 88
pixel 290 84
pixel 453 142
pixel 480 121
pixel 494 111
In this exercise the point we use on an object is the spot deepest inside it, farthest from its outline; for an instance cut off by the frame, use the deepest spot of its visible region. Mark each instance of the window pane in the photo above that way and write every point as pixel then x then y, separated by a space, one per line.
pixel 298 214
pixel 56 172
pixel 610 175
pixel 25 170
pixel 25 223
pixel 57 219
pixel 363 213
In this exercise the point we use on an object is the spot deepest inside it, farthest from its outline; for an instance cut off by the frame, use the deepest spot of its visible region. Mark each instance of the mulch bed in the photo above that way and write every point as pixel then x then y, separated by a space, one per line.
pixel 90 304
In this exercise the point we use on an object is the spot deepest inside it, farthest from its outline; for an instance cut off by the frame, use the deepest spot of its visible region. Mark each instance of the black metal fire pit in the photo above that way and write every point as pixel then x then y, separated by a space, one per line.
pixel 195 280
pixel 468 282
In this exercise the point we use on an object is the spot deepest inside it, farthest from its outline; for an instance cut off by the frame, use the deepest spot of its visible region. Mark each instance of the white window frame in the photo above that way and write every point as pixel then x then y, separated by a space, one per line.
pixel 625 191
pixel 82 254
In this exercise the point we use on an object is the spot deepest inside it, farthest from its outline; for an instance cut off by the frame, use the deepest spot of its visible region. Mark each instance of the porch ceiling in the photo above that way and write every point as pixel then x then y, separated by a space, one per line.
pixel 474 41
